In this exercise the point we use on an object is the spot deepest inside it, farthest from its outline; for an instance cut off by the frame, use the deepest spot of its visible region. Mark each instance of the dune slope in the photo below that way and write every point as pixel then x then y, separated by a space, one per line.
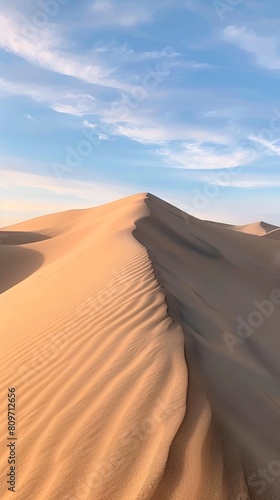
pixel 97 363
pixel 223 287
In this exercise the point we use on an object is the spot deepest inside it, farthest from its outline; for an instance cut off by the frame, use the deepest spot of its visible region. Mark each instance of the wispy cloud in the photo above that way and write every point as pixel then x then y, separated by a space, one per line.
pixel 43 49
pixel 62 101
pixel 116 118
pixel 74 104
pixel 264 49
pixel 125 15
pixel 100 135
pixel 156 133
pixel 125 53
pixel 197 156
pixel 271 148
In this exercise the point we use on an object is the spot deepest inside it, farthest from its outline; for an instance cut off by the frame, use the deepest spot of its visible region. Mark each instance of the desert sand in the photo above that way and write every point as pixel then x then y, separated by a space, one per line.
pixel 119 331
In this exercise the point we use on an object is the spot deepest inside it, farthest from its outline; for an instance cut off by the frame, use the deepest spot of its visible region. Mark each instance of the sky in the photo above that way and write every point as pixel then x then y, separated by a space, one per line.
pixel 101 99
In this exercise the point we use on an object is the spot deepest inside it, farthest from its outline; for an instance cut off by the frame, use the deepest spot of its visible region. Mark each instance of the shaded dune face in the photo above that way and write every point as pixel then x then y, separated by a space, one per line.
pixel 223 286
pixel 267 228
pixel 273 235
pixel 17 264
pixel 20 237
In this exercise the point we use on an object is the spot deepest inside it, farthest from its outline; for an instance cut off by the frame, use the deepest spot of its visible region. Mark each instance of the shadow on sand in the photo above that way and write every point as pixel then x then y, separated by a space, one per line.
pixel 21 237
pixel 16 264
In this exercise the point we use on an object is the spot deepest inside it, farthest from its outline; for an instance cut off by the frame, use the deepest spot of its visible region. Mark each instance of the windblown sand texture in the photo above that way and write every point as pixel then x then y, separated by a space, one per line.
pixel 112 331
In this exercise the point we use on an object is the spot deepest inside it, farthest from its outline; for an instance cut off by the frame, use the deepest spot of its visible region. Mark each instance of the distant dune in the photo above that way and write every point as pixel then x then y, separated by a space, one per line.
pixel 257 228
pixel 144 348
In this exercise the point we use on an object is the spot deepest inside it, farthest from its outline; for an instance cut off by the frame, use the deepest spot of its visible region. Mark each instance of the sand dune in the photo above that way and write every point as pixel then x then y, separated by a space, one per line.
pixel 257 228
pixel 113 334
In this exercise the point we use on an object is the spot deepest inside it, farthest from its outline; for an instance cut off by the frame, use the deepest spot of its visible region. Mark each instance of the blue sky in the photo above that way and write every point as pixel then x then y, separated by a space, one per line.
pixel 100 99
